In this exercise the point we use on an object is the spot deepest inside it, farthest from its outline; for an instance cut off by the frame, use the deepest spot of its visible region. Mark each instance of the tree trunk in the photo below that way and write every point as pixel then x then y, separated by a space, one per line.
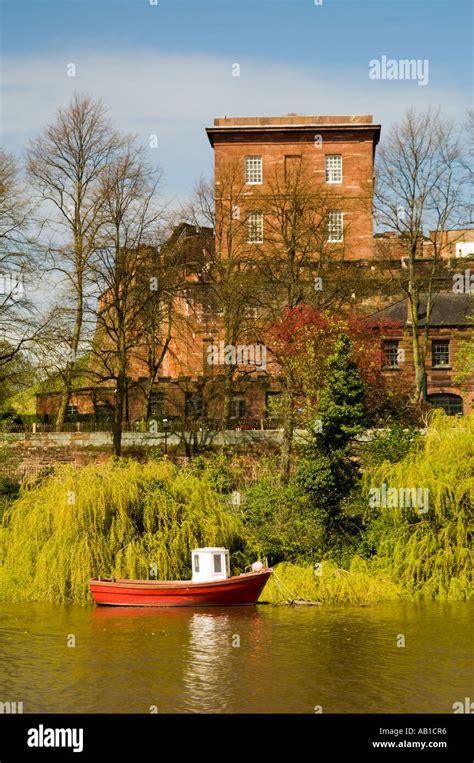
pixel 153 368
pixel 228 386
pixel 64 401
pixel 69 370
pixel 414 309
pixel 118 416
pixel 146 412
pixel 120 399
pixel 428 311
pixel 418 362
pixel 228 373
pixel 287 444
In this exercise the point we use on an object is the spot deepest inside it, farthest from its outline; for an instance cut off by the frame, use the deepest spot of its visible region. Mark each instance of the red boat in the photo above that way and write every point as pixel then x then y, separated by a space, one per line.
pixel 217 590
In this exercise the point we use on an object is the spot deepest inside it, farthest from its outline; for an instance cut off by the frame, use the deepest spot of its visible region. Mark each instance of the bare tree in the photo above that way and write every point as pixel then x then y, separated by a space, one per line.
pixel 469 164
pixel 161 318
pixel 129 216
pixel 156 321
pixel 15 210
pixel 53 345
pixel 20 321
pixel 419 179
pixel 225 274
pixel 65 164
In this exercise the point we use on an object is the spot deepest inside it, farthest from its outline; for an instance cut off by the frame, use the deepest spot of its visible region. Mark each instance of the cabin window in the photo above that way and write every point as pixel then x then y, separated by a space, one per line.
pixel 217 563
pixel 237 406
pixel 193 405
pixel 196 563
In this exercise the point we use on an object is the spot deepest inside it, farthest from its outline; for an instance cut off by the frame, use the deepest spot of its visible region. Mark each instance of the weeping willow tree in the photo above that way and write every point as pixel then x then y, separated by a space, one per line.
pixel 329 584
pixel 113 519
pixel 428 552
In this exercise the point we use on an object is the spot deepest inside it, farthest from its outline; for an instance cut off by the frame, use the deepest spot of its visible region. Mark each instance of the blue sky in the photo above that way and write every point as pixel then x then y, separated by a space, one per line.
pixel 167 69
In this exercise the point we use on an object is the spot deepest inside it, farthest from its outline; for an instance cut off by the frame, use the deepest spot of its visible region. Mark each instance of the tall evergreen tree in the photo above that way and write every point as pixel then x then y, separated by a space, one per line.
pixel 327 471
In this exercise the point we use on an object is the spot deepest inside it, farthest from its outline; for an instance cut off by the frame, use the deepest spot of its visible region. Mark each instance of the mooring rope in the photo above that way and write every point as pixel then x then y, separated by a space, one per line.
pixel 279 583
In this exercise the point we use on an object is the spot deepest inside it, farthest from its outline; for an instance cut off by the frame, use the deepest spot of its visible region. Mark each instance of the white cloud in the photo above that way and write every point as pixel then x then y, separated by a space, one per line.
pixel 177 96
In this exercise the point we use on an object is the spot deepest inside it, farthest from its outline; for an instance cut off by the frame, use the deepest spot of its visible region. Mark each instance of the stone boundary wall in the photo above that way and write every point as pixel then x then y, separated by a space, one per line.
pixel 25 455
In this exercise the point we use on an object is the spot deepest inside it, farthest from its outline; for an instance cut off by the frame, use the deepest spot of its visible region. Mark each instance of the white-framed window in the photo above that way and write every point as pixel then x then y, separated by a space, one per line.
pixel 333 168
pixel 391 353
pixel 255 228
pixel 253 170
pixel 335 226
pixel 440 353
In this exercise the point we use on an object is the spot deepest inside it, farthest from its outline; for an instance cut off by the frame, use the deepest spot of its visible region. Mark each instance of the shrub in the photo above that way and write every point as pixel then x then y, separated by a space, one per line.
pixel 391 444
pixel 279 518
pixel 216 469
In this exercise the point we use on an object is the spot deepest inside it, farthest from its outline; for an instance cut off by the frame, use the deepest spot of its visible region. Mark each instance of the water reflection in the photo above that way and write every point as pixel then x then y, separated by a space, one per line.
pixel 241 659
pixel 207 664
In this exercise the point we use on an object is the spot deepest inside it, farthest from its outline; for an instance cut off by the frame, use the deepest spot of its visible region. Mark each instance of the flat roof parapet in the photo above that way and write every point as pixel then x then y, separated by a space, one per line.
pixel 293 120
pixel 245 129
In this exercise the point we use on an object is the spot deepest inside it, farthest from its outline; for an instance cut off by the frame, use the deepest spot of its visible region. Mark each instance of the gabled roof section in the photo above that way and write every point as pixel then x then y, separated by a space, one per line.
pixel 455 310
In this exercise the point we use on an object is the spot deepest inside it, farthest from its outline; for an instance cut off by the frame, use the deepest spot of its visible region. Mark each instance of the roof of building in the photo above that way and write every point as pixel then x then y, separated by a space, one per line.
pixel 293 120
pixel 287 122
pixel 448 310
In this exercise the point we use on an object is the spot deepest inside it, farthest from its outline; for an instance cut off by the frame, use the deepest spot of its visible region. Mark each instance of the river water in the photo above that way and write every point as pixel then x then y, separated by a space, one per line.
pixel 256 659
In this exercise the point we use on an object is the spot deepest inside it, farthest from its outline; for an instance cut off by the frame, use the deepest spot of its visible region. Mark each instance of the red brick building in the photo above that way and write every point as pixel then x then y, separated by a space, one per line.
pixel 451 323
pixel 338 155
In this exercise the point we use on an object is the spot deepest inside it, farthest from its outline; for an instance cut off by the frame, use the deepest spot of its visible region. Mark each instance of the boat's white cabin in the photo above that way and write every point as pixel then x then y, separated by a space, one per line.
pixel 210 564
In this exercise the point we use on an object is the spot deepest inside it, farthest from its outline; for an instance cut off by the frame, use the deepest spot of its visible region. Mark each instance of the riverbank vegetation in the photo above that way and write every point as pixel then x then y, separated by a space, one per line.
pixel 126 519
pixel 327 583
pixel 418 551
pixel 121 519
pixel 428 551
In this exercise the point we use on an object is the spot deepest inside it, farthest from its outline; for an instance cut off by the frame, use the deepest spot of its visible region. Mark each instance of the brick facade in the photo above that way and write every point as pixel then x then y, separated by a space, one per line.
pixel 314 138
pixel 450 325
pixel 186 385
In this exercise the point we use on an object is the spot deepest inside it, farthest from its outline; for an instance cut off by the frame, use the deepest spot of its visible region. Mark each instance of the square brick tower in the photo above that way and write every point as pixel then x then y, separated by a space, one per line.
pixel 337 152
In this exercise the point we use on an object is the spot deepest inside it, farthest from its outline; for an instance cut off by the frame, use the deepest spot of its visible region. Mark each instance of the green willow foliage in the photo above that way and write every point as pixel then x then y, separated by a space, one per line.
pixel 430 554
pixel 112 519
pixel 332 585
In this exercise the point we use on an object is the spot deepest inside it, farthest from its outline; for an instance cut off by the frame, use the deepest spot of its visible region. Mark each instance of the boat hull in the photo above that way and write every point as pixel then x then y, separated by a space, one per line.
pixel 240 590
